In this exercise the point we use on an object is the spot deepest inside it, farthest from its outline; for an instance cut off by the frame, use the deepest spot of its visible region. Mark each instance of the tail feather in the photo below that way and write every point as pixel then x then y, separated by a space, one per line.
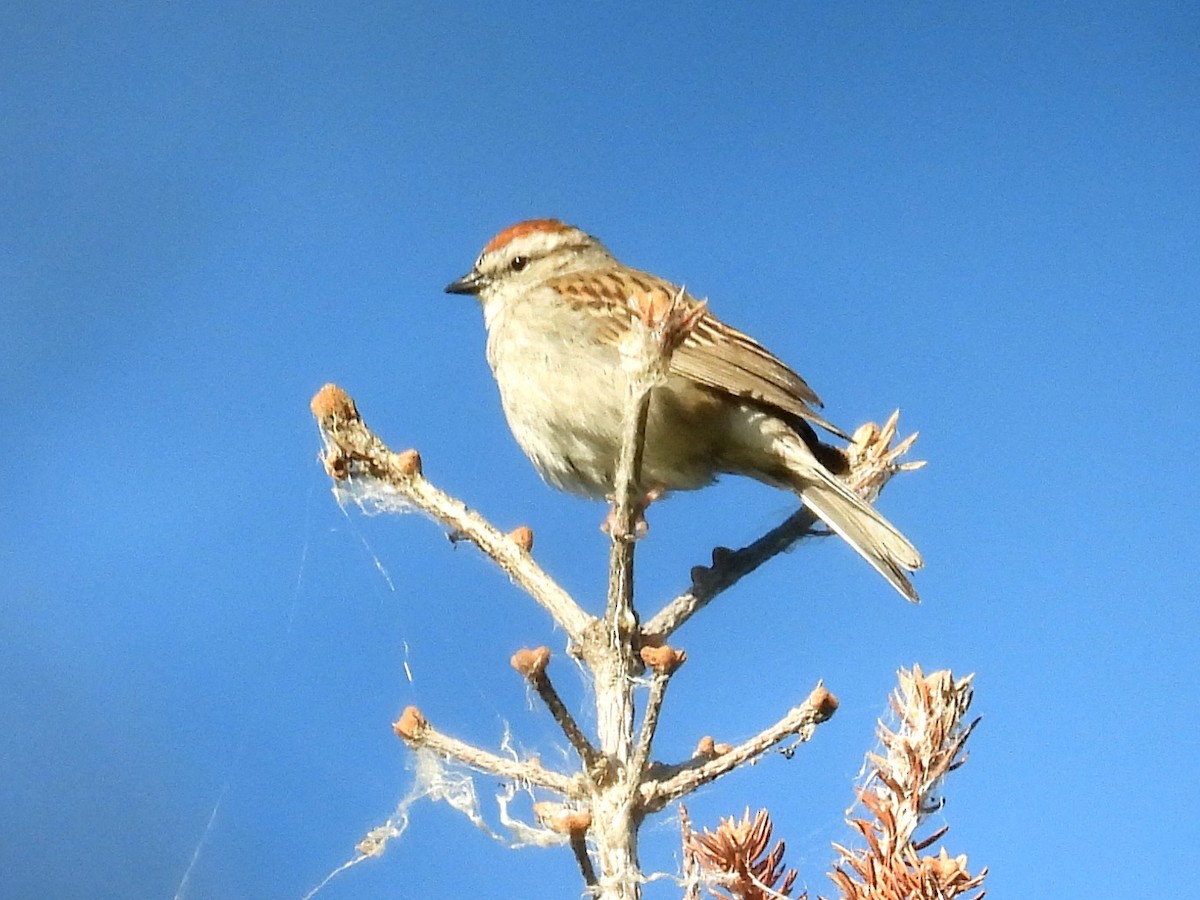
pixel 875 539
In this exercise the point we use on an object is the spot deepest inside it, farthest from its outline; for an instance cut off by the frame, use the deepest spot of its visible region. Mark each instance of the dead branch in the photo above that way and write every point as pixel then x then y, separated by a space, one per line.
pixel 873 461
pixel 532 664
pixel 800 722
pixel 414 729
pixel 352 451
pixel 618 785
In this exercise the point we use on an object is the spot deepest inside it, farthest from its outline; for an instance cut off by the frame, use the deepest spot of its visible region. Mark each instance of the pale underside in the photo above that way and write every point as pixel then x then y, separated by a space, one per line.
pixel 726 400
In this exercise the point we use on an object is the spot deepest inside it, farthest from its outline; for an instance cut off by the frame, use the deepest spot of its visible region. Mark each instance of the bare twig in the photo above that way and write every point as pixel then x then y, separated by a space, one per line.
pixel 800 721
pixel 416 732
pixel 658 324
pixel 873 461
pixel 574 823
pixel 532 664
pixel 353 450
pixel 586 869
pixel 663 661
pixel 641 751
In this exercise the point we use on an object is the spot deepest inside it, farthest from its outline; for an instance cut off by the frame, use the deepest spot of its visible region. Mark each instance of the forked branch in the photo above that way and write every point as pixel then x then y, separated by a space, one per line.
pixel 873 461
pixel 414 729
pixel 618 785
pixel 353 451
pixel 799 723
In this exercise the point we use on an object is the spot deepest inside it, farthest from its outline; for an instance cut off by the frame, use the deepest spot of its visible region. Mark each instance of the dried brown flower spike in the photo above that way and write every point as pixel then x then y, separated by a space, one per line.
pixel 900 791
pixel 736 854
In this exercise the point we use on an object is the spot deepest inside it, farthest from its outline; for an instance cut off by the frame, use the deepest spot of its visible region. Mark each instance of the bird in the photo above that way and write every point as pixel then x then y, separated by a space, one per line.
pixel 557 305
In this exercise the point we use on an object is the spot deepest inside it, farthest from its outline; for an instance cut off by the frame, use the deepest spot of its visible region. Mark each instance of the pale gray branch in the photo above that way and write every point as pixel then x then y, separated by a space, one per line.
pixel 659 324
pixel 728 568
pixel 800 721
pixel 641 753
pixel 873 462
pixel 417 733
pixel 354 451
pixel 570 728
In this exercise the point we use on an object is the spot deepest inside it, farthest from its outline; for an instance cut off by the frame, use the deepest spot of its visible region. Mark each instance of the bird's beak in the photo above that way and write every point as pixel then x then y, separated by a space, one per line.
pixel 471 283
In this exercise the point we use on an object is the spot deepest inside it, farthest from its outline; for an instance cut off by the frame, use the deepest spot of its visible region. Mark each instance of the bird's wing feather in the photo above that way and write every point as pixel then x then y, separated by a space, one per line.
pixel 713 354
pixel 722 358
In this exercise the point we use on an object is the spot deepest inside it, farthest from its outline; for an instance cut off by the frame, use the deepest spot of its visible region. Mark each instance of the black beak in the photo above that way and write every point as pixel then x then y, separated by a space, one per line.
pixel 471 283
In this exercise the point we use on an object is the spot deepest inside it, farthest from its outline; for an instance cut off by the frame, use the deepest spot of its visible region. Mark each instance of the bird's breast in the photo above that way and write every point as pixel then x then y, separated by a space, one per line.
pixel 564 393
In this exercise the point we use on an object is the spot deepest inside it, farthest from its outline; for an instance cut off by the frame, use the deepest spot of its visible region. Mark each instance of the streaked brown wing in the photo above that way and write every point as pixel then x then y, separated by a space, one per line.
pixel 714 354
pixel 723 358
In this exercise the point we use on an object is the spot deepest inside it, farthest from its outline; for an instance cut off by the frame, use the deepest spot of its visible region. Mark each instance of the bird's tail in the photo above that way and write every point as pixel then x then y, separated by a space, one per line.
pixel 875 539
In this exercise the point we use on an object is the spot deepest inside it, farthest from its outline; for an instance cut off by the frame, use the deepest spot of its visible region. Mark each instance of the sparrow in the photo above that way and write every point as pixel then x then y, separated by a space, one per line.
pixel 557 304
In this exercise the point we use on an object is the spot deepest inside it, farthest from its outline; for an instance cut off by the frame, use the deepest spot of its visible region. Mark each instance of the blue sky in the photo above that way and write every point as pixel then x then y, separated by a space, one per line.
pixel 984 214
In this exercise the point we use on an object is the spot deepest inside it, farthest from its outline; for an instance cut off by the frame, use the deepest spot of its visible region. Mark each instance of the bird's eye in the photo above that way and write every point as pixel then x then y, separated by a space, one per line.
pixel 519 263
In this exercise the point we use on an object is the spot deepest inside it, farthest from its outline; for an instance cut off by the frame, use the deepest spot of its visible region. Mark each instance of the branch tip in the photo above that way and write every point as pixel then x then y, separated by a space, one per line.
pixel 522 536
pixel 562 819
pixel 409 462
pixel 663 660
pixel 410 725
pixel 332 403
pixel 709 748
pixel 823 703
pixel 531 663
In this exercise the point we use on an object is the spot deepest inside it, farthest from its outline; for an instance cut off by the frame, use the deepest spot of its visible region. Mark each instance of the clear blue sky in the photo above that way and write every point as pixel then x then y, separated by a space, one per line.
pixel 986 214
